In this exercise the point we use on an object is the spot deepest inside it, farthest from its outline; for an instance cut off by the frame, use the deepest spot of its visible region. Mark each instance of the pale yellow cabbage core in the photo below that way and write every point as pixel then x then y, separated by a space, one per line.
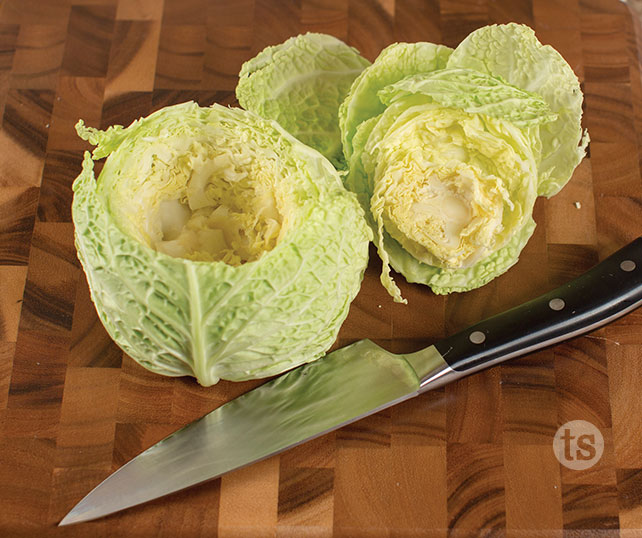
pixel 448 216
pixel 229 211
pixel 208 202
pixel 444 186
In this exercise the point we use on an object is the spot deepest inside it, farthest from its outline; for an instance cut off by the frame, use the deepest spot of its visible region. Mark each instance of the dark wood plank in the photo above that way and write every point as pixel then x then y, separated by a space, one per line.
pixel 89 38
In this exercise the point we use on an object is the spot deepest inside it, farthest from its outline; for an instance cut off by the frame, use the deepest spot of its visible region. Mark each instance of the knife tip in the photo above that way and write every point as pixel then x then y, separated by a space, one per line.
pixel 77 515
pixel 67 520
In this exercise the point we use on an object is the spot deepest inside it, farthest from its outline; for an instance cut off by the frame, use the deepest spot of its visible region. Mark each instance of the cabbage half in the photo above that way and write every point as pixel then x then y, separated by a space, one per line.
pixel 215 244
pixel 448 151
pixel 301 83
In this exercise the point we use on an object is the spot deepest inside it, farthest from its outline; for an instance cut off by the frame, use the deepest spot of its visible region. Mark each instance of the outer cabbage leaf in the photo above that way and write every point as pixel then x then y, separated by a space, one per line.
pixel 394 63
pixel 301 83
pixel 513 52
pixel 213 320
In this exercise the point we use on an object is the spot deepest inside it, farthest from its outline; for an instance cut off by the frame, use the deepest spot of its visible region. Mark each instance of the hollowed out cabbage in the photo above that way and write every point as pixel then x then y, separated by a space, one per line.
pixel 215 244
pixel 449 149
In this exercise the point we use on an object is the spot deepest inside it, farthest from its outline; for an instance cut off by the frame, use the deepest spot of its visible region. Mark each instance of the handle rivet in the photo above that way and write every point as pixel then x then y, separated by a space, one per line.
pixel 556 304
pixel 477 337
pixel 627 265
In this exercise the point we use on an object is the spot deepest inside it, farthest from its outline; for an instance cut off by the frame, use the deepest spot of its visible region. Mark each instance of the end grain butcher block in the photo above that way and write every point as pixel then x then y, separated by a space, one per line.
pixel 472 458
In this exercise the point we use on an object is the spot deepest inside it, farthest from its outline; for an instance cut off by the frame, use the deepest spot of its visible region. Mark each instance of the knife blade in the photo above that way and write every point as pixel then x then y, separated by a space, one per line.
pixel 359 380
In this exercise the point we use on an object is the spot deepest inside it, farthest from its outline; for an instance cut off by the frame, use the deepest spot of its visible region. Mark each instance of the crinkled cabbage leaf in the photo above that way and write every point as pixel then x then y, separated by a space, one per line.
pixel 513 52
pixel 215 244
pixel 448 157
pixel 301 83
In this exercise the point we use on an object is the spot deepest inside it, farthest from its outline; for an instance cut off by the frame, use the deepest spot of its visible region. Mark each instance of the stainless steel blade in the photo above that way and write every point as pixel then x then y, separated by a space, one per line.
pixel 346 385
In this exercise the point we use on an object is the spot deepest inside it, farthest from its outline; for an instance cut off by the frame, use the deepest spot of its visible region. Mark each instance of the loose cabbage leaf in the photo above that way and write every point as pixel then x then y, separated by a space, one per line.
pixel 212 319
pixel 473 92
pixel 513 52
pixel 301 83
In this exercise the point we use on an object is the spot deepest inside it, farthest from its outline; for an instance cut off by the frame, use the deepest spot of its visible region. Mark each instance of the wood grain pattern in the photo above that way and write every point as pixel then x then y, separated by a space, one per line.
pixel 471 459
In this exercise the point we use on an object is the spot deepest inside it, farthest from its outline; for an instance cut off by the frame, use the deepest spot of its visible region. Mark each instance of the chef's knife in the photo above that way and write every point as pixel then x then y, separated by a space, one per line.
pixel 357 381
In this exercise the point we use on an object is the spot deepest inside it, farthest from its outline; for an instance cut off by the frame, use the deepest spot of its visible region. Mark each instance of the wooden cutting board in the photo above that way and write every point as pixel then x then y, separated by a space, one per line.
pixel 473 458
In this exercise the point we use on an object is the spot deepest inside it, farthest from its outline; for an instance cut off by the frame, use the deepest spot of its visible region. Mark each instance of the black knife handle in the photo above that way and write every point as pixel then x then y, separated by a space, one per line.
pixel 604 293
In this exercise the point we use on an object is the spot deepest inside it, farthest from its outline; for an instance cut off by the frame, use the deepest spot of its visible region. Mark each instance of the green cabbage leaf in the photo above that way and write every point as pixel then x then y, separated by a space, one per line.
pixel 301 83
pixel 215 244
pixel 513 52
